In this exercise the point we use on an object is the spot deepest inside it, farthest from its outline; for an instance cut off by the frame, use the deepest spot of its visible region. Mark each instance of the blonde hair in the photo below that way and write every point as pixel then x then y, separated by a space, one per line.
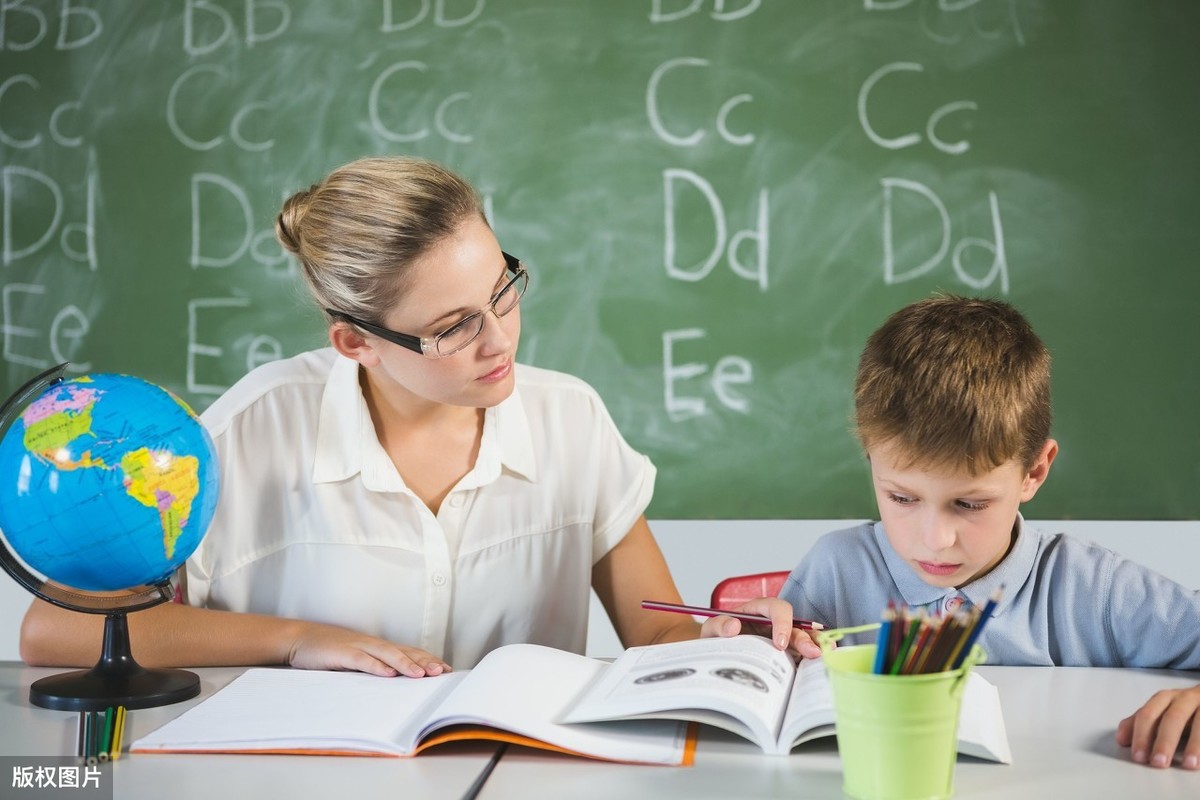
pixel 355 232
pixel 955 382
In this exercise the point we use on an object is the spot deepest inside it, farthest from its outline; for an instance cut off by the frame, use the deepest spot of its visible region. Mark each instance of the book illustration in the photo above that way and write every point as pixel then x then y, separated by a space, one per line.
pixel 745 686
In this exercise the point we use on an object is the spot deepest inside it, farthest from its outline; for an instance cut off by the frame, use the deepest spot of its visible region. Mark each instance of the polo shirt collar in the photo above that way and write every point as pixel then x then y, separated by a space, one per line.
pixel 1012 573
pixel 347 444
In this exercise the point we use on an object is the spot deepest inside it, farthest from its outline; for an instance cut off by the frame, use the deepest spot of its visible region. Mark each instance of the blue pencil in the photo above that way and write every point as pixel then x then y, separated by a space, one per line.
pixel 881 642
pixel 984 616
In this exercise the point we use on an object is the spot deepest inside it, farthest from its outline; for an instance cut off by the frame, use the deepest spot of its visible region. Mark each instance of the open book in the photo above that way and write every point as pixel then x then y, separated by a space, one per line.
pixel 746 686
pixel 515 694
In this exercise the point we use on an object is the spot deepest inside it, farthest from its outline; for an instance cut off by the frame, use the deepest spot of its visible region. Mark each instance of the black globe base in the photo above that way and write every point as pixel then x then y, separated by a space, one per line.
pixel 91 690
pixel 116 680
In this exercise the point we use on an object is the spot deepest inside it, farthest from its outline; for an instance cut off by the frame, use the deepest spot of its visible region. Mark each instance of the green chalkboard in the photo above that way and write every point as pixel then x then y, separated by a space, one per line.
pixel 718 201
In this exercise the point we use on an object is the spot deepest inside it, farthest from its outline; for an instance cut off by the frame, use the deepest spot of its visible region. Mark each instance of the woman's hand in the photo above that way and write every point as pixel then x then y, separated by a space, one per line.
pixel 783 634
pixel 329 647
pixel 1155 730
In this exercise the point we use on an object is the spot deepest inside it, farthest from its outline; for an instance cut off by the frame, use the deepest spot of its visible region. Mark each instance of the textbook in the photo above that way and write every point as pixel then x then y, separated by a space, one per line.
pixel 745 686
pixel 515 694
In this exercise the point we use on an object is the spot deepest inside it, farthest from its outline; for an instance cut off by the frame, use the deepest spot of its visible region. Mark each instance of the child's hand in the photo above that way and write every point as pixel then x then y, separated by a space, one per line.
pixel 782 633
pixel 1156 729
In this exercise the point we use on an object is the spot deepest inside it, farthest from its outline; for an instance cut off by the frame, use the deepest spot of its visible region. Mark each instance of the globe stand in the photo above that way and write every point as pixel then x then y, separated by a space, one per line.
pixel 116 680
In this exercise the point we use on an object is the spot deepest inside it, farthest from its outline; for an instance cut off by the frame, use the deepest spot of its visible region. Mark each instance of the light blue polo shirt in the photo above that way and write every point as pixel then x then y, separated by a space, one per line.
pixel 1066 601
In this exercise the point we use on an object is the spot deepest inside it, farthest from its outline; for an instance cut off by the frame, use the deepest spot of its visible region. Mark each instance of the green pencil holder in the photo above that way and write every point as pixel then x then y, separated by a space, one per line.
pixel 897 734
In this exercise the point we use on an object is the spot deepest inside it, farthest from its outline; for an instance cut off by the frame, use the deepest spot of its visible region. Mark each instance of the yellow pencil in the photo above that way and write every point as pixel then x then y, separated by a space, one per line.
pixel 118 734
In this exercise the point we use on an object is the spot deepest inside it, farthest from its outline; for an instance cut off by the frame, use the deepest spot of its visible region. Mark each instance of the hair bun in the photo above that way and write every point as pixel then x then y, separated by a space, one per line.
pixel 291 217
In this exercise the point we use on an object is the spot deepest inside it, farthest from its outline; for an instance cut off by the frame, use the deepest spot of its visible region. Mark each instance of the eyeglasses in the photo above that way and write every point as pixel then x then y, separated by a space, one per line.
pixel 461 333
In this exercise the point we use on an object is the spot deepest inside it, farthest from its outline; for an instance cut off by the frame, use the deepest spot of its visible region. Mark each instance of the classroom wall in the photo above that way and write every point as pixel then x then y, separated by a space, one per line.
pixel 702 552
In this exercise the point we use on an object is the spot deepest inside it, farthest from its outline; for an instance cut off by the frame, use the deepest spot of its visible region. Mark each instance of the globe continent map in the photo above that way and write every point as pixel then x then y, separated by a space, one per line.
pixel 107 482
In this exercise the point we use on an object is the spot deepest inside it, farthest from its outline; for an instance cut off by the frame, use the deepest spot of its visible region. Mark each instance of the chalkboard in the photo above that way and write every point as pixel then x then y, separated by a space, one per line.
pixel 718 202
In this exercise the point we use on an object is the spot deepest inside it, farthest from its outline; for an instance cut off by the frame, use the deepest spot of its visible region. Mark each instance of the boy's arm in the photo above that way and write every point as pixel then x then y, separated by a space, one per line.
pixel 176 635
pixel 1154 624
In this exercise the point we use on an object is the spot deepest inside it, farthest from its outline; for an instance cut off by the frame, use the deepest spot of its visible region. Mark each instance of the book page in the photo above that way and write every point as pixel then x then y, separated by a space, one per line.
pixel 294 710
pixel 809 712
pixel 739 684
pixel 981 731
pixel 525 688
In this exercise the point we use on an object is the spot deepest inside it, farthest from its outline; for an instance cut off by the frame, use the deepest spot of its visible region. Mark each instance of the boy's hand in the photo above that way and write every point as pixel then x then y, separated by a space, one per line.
pixel 782 633
pixel 1155 730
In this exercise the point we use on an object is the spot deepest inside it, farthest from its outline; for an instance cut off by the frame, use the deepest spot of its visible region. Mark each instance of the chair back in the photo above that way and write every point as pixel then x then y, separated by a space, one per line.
pixel 734 591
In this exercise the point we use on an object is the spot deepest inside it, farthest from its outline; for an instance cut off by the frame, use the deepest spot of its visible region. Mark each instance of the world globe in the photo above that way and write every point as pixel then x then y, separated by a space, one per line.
pixel 107 484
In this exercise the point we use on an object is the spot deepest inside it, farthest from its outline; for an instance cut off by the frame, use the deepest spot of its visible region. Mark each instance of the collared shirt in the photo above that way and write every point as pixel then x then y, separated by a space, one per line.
pixel 1065 601
pixel 315 522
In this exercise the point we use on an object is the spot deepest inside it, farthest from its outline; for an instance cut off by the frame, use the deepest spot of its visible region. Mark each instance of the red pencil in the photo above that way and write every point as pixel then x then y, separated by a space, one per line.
pixel 701 611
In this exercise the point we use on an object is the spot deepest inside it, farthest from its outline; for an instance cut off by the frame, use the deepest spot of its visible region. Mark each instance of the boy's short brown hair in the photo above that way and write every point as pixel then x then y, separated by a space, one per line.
pixel 955 382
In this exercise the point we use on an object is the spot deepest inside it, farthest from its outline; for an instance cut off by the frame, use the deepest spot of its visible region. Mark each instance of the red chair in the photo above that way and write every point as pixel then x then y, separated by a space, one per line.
pixel 734 591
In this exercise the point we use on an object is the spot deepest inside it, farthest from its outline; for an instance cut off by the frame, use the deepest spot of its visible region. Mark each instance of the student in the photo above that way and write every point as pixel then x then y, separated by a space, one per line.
pixel 411 497
pixel 952 406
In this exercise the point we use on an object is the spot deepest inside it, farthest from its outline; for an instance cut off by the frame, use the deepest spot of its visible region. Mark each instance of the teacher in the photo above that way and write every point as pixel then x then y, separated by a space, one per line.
pixel 410 497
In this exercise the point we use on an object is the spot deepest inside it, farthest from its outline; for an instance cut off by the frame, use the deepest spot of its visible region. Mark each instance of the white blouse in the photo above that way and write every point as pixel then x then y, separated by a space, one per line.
pixel 314 521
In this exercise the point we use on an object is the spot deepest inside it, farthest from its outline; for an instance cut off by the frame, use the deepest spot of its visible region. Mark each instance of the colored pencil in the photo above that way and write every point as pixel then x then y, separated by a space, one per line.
pixel 114 750
pixel 960 623
pixel 984 616
pixel 105 734
pixel 895 638
pixel 910 634
pixel 970 618
pixel 93 723
pixel 81 735
pixel 881 642
pixel 919 647
pixel 923 665
pixel 701 611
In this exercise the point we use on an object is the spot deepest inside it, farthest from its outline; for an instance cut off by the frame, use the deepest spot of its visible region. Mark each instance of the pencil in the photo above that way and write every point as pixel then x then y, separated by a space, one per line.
pixel 910 634
pixel 984 616
pixel 81 735
pixel 919 647
pixel 701 611
pixel 881 642
pixel 921 665
pixel 969 619
pixel 92 736
pixel 114 751
pixel 956 623
pixel 894 640
pixel 105 734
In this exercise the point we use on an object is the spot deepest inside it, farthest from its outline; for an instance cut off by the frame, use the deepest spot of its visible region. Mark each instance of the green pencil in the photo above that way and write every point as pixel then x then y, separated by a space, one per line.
pixel 909 635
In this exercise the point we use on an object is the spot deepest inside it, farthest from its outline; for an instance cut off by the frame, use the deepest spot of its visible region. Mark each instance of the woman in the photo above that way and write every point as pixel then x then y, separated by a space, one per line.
pixel 409 498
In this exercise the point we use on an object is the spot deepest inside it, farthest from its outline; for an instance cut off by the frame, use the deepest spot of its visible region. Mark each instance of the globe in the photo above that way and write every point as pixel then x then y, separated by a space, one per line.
pixel 107 484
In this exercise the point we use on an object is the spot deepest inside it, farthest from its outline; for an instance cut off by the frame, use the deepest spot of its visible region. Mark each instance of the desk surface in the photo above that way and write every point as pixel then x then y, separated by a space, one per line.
pixel 1060 725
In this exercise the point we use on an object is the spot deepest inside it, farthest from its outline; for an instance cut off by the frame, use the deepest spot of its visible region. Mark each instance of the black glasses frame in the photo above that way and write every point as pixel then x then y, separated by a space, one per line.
pixel 428 346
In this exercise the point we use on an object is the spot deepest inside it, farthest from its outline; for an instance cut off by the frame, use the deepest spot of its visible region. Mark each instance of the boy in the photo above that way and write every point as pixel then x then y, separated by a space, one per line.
pixel 952 406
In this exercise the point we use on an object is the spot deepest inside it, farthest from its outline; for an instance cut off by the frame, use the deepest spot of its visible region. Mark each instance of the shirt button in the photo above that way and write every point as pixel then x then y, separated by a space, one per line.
pixel 439 579
pixel 456 500
pixel 952 603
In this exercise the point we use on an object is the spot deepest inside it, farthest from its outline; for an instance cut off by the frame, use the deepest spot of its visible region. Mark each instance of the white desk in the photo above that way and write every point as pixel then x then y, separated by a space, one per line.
pixel 1060 724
